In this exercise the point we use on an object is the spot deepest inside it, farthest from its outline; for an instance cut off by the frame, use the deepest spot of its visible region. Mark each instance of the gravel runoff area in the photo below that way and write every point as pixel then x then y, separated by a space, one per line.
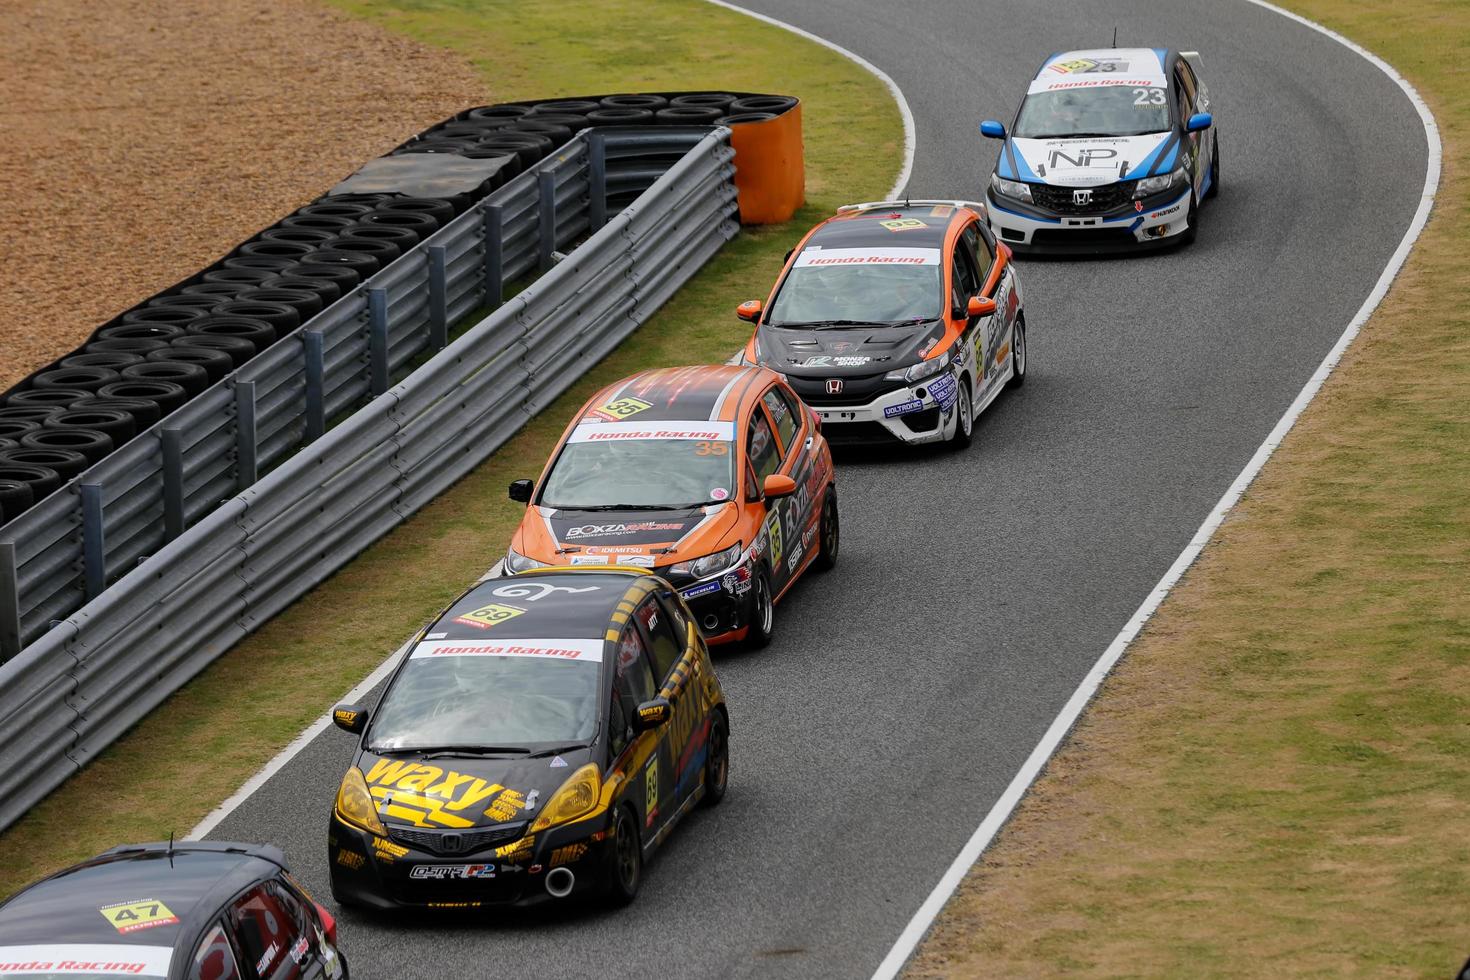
pixel 145 138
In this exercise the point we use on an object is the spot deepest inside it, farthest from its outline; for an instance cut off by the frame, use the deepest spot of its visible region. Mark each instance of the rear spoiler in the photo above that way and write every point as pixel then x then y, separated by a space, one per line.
pixel 975 206
pixel 1194 61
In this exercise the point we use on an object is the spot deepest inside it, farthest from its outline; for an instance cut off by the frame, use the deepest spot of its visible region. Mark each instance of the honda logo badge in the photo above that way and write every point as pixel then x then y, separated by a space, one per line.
pixel 451 843
pixel 834 386
pixel 1083 196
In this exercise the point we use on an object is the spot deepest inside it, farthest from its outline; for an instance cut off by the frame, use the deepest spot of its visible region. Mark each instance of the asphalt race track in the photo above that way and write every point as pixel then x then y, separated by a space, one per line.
pixel 974 591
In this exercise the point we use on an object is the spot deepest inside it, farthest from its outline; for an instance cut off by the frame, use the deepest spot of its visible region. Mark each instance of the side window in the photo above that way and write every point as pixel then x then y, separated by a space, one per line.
pixel 760 446
pixel 1182 101
pixel 964 277
pixel 665 648
pixel 781 409
pixel 632 686
pixel 215 957
pixel 1191 87
pixel 677 618
pixel 978 247
pixel 752 488
pixel 269 935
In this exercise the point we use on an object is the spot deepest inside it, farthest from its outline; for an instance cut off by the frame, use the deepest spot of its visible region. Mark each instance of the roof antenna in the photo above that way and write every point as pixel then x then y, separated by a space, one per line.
pixel 170 848
pixel 1115 37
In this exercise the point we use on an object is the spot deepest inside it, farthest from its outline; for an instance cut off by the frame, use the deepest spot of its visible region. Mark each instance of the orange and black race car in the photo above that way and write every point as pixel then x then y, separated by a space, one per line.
pixel 539 741
pixel 900 320
pixel 718 478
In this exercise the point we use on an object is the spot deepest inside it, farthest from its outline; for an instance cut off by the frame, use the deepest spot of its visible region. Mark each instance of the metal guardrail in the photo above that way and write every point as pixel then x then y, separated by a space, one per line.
pixel 69 547
pixel 68 695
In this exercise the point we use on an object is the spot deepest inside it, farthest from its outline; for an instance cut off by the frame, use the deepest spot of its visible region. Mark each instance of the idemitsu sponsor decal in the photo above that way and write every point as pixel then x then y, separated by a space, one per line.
pixel 867 256
pixel 577 649
pixel 85 959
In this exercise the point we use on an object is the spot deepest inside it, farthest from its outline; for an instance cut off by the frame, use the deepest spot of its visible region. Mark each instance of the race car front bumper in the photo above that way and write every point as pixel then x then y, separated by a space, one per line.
pixel 1031 230
pixel 920 413
pixel 721 604
pixel 396 873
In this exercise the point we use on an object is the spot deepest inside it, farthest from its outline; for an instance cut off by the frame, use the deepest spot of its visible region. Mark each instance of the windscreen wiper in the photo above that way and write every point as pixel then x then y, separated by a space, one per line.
pixel 595 507
pixel 819 324
pixel 470 751
pixel 559 750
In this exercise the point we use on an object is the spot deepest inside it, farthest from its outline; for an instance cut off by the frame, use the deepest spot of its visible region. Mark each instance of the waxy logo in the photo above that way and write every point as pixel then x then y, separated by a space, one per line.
pixel 427 796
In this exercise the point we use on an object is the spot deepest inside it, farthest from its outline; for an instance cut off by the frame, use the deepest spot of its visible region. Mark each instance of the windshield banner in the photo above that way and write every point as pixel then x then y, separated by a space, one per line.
pixel 614 431
pixel 578 649
pixel 866 256
pixel 85 959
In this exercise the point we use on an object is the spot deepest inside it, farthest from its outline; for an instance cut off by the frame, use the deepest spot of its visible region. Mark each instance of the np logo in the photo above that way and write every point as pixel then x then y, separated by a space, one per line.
pixel 834 386
pixel 1083 196
pixel 1091 156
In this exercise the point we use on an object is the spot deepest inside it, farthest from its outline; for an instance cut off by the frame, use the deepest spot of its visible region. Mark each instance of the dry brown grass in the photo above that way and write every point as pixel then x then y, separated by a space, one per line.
pixel 1275 779
pixel 145 138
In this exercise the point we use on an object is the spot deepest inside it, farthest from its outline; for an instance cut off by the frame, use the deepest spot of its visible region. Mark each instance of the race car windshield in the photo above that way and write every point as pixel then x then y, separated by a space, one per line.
pixel 629 474
pixel 1109 110
pixel 877 294
pixel 513 700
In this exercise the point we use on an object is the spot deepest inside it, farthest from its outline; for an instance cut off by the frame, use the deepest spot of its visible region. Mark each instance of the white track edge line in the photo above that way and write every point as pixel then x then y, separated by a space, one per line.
pixel 279 762
pixel 909 139
pixel 919 925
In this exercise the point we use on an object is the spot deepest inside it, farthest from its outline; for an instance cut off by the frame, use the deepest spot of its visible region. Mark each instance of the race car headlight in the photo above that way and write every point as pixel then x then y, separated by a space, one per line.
pixel 1153 185
pixel 576 798
pixel 515 562
pixel 355 803
pixel 709 564
pixel 920 371
pixel 1010 188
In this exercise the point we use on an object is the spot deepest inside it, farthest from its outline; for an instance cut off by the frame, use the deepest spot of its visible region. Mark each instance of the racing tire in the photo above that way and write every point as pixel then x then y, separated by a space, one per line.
pixel 627 862
pixel 762 614
pixel 829 534
pixel 964 429
pixel 1214 190
pixel 717 763
pixel 1018 353
pixel 1191 232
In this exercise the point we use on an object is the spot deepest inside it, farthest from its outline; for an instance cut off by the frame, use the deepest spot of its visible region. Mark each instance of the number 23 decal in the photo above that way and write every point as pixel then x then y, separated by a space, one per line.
pixel 1148 96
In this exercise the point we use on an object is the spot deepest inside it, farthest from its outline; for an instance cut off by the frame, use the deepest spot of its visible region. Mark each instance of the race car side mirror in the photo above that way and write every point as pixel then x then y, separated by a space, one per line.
pixel 1199 121
pixel 750 310
pixel 520 491
pixel 992 129
pixel 777 486
pixel 652 714
pixel 350 718
pixel 980 306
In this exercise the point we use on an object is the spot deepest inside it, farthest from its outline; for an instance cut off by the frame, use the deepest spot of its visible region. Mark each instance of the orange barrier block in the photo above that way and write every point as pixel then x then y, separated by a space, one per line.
pixel 770 170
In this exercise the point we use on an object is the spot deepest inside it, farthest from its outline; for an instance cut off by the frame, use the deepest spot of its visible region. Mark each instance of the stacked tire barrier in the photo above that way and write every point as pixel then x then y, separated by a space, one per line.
pixel 151 360
pixel 90 677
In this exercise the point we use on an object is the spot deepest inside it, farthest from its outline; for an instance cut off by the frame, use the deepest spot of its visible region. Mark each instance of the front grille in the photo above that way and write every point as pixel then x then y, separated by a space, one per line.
pixel 856 390
pixel 456 842
pixel 1108 197
pixel 1082 236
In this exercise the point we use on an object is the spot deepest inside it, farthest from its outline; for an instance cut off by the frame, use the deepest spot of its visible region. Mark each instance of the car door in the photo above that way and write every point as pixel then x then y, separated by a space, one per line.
pixel 1186 94
pixel 671 671
pixel 999 284
pixel 794 431
pixel 763 453
pixel 215 957
pixel 640 756
pixel 274 934
pixel 977 343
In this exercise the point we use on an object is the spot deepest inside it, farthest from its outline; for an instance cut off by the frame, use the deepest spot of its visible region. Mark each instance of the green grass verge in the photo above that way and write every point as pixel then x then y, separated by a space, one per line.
pixel 1274 781
pixel 176 766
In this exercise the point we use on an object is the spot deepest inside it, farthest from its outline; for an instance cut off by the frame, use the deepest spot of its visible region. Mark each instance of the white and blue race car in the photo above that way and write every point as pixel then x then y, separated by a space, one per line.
pixel 1110 148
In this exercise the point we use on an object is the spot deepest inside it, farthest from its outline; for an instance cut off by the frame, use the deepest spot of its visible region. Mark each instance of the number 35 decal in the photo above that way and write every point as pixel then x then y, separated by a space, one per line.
pixel 1148 96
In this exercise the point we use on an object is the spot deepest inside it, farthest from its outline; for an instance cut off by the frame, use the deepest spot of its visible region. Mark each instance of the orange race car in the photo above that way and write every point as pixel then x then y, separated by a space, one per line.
pixel 718 478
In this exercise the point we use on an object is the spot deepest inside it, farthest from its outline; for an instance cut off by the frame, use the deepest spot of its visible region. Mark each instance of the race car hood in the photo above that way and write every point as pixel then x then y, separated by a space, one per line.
pixel 846 352
pixel 461 793
pixel 645 538
pixel 1080 162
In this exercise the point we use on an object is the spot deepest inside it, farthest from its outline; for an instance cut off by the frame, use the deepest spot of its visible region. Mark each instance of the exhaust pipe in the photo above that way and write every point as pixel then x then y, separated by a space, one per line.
pixel 711 621
pixel 559 882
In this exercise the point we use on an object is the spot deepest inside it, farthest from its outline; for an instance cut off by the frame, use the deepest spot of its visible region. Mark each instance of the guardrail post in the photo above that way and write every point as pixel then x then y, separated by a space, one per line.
pixel 173 483
pixel 494 264
pixel 378 340
pixel 9 602
pixel 247 459
pixel 438 291
pixel 94 572
pixel 316 366
pixel 546 192
pixel 597 178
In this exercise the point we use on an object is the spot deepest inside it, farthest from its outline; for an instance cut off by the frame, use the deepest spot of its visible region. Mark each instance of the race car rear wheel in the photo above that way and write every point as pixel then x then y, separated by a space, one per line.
pixel 627 862
pixel 830 534
pixel 762 613
pixel 964 427
pixel 1018 353
pixel 717 764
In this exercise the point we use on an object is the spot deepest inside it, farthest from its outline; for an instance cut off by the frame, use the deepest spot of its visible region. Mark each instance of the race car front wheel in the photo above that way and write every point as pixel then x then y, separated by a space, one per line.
pixel 627 863
pixel 762 613
pixel 826 559
pixel 964 426
pixel 1018 352
pixel 1192 231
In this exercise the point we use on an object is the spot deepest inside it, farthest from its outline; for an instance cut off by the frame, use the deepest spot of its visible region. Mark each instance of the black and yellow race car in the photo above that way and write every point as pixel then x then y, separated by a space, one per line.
pixel 538 741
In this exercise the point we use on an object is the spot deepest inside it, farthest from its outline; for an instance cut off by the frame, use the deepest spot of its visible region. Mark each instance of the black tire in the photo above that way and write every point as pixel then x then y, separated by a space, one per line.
pixel 688 115
pixel 717 762
pixel 630 116
pixel 112 360
pixel 140 331
pixel 1192 231
pixel 403 238
pixel 774 104
pixel 578 107
pixel 89 442
pixel 305 302
pixel 216 363
pixel 221 291
pixel 135 345
pixel 269 264
pixel 193 301
pixel 29 413
pixel 13 429
pixel 282 319
pixel 315 237
pixel 652 103
pixel 332 224
pixel 237 350
pixel 334 208
pixel 191 377
pixel 1214 190
pixel 175 315
pixel 557 133
pixel 509 110
pixel 275 249
pixel 241 279
pixel 964 429
pixel 422 225
pixel 625 869
pixel 16 497
pixel 762 625
pixel 165 394
pixel 379 251
pixel 1018 353
pixel 441 209
pixel 42 481
pixel 143 411
pixel 45 398
pixel 712 100
pixel 257 333
pixel 87 379
pixel 327 290
pixel 65 463
pixel 744 117
pixel 115 423
pixel 526 148
pixel 362 264
pixel 344 278
pixel 829 534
